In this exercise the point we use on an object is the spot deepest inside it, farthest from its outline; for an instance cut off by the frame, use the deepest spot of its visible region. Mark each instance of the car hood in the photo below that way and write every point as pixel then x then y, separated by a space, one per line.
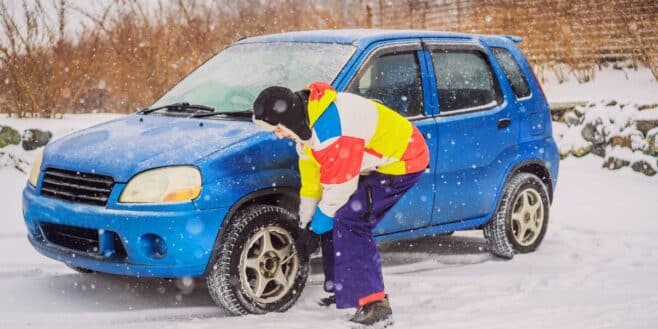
pixel 127 146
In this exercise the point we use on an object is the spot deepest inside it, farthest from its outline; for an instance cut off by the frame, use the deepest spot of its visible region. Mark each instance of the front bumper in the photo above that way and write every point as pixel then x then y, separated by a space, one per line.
pixel 152 241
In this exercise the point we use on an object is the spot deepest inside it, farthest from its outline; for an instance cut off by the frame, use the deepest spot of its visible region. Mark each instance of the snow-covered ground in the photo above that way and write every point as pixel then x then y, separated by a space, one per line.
pixel 595 269
pixel 625 85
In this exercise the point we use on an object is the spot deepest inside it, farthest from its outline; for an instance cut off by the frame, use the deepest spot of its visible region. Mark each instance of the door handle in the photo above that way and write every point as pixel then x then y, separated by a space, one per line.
pixel 504 123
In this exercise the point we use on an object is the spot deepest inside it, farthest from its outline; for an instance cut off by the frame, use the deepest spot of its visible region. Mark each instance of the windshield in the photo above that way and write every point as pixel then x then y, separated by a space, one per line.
pixel 232 79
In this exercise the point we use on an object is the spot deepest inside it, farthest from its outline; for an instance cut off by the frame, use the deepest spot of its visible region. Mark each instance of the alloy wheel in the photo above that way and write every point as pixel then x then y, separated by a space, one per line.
pixel 268 265
pixel 527 217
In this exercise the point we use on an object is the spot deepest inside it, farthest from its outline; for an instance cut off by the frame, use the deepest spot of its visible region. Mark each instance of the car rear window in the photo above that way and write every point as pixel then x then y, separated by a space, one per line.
pixel 512 72
pixel 464 80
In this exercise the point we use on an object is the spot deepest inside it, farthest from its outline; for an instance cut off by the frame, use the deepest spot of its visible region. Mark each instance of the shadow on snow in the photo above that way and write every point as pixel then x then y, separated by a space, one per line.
pixel 96 292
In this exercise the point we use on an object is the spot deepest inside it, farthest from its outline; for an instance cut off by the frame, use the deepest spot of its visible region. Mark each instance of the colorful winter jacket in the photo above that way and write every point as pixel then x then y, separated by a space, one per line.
pixel 352 135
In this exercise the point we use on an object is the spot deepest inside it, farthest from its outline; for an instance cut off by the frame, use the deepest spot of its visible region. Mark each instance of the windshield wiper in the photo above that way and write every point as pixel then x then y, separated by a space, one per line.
pixel 179 107
pixel 245 113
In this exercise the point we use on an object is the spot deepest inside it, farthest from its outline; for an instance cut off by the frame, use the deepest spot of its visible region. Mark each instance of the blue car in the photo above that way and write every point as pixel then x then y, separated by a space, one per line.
pixel 190 187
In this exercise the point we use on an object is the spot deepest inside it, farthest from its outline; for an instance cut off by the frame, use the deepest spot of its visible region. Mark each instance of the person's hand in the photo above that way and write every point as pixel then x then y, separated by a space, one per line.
pixel 321 223
pixel 307 243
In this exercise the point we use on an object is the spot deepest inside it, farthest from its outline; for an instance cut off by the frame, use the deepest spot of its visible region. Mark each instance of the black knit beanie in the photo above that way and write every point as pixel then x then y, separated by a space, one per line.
pixel 279 105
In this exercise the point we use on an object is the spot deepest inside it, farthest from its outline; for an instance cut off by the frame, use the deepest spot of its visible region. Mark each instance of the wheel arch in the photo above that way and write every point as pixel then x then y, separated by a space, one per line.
pixel 496 229
pixel 538 168
pixel 286 197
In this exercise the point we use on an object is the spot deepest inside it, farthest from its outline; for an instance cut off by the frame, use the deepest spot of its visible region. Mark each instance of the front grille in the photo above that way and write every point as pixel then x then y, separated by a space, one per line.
pixel 76 238
pixel 77 187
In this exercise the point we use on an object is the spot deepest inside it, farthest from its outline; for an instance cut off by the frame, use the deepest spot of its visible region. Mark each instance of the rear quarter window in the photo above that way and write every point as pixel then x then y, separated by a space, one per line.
pixel 512 72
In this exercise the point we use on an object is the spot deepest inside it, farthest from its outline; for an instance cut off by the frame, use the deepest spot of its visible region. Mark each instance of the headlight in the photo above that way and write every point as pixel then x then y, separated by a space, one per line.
pixel 36 169
pixel 163 185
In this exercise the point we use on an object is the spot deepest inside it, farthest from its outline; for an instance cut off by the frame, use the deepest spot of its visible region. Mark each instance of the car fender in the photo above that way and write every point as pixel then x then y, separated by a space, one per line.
pixel 287 197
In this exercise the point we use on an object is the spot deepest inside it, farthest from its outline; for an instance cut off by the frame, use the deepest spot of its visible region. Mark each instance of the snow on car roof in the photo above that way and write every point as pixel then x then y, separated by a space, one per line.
pixel 354 36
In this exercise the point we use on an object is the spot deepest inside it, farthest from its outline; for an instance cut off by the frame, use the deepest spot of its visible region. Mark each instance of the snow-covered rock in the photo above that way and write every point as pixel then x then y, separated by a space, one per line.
pixel 645 167
pixel 9 136
pixel 592 132
pixel 652 142
pixel 619 157
pixel 570 141
pixel 573 119
pixel 628 130
pixel 35 138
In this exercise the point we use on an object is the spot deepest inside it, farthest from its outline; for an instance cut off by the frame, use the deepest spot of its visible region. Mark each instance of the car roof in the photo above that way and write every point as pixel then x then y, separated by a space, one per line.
pixel 358 37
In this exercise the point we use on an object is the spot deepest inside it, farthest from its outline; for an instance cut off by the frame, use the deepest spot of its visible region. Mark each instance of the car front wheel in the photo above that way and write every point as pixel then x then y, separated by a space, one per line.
pixel 520 222
pixel 258 269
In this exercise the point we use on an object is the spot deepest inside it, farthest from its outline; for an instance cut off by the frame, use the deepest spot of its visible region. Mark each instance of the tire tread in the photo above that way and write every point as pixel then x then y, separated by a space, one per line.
pixel 495 231
pixel 219 279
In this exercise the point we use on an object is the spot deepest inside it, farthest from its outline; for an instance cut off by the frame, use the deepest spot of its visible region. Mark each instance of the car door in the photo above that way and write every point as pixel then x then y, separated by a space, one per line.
pixel 396 76
pixel 477 137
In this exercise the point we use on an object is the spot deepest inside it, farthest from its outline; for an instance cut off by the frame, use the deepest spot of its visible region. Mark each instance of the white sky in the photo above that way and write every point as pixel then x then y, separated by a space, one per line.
pixel 74 18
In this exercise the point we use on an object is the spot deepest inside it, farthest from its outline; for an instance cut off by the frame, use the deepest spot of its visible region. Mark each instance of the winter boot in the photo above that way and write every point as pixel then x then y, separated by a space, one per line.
pixel 327 301
pixel 378 313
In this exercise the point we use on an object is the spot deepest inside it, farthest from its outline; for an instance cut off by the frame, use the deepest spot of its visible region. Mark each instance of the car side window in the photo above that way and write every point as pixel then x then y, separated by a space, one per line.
pixel 394 80
pixel 464 80
pixel 512 72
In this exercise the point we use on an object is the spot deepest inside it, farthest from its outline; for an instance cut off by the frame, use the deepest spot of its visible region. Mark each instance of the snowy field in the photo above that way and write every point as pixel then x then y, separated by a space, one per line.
pixel 623 85
pixel 596 268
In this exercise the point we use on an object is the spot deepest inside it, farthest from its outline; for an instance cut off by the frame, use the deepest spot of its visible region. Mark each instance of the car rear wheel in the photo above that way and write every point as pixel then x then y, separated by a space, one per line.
pixel 258 269
pixel 520 222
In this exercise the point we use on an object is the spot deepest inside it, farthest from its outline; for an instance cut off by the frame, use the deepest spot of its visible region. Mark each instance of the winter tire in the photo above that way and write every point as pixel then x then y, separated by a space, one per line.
pixel 258 269
pixel 520 223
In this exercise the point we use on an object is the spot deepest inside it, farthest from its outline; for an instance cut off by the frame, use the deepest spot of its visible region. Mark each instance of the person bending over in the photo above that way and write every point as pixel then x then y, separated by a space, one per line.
pixel 357 158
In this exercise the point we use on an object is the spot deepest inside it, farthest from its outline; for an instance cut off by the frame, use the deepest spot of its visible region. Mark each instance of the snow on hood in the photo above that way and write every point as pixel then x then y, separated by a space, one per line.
pixel 127 146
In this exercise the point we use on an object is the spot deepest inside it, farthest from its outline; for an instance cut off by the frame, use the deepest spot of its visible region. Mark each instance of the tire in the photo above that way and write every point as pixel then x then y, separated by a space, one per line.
pixel 520 222
pixel 80 269
pixel 247 279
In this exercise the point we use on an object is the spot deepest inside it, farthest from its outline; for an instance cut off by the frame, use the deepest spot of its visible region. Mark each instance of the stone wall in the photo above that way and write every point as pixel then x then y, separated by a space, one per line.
pixel 580 34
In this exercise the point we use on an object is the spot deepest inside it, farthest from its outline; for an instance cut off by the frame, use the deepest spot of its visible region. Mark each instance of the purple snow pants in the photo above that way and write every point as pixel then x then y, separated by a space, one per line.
pixel 352 268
